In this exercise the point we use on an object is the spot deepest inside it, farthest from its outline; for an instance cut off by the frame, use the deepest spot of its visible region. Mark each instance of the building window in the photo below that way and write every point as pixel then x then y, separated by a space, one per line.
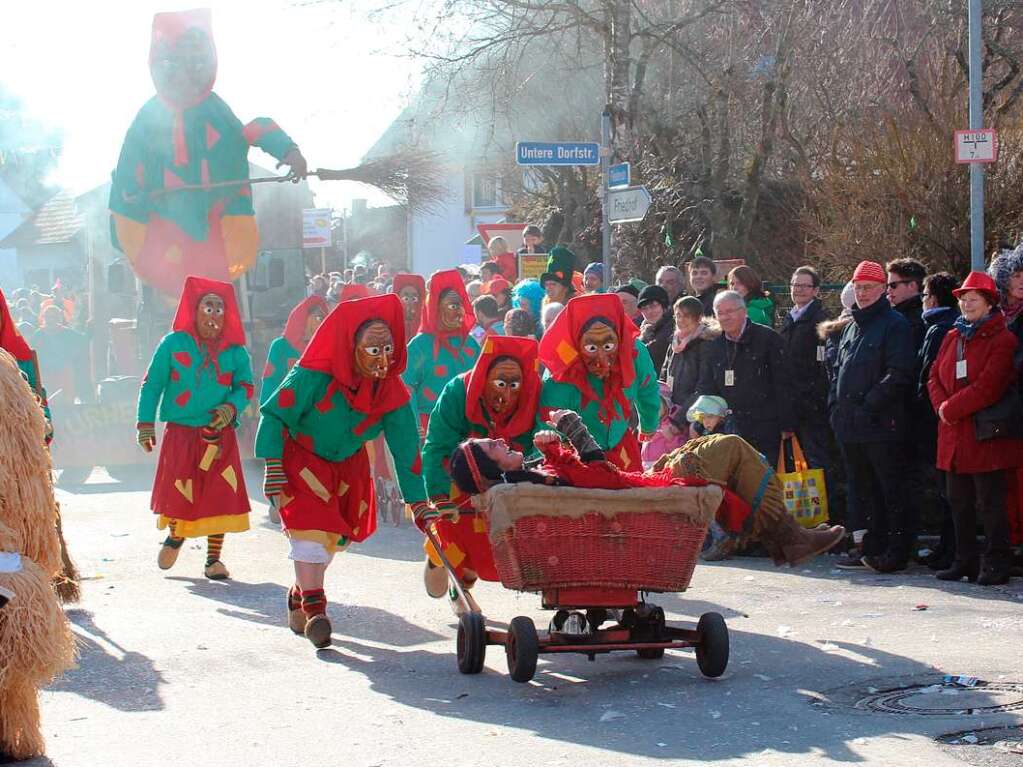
pixel 485 190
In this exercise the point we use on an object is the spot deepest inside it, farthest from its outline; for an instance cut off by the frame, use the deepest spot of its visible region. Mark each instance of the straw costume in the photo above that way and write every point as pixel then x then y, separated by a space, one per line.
pixel 497 399
pixel 201 379
pixel 443 347
pixel 12 342
pixel 597 367
pixel 187 135
pixel 344 391
pixel 35 639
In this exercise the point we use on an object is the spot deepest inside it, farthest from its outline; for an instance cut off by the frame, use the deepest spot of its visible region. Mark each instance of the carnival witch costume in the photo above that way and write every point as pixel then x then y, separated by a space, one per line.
pixel 411 289
pixel 444 347
pixel 597 367
pixel 35 639
pixel 185 136
pixel 344 391
pixel 497 400
pixel 201 379
pixel 285 350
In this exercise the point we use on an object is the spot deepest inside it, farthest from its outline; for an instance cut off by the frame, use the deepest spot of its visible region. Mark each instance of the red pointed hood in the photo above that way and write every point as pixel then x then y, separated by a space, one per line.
pixel 441 281
pixel 332 350
pixel 294 329
pixel 168 30
pixel 559 349
pixel 10 339
pixel 524 351
pixel 184 320
pixel 405 280
pixel 353 291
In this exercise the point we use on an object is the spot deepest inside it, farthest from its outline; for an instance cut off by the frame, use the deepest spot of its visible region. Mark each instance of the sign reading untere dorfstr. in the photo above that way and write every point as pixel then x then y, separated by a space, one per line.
pixel 557 153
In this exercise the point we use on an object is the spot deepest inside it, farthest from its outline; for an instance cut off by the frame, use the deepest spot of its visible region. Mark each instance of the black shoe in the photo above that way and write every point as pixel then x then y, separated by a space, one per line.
pixel 994 571
pixel 888 562
pixel 960 570
pixel 940 559
pixel 851 561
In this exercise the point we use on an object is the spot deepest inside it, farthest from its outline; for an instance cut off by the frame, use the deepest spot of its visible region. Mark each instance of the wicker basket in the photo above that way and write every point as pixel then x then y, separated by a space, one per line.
pixel 645 539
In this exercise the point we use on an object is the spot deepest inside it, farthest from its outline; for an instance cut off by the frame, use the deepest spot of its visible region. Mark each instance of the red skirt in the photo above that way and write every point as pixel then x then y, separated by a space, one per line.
pixel 330 502
pixel 626 455
pixel 198 487
pixel 466 545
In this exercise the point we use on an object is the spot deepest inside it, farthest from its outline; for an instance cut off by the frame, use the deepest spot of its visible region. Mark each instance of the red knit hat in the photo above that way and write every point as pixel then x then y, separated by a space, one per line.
pixel 981 282
pixel 869 271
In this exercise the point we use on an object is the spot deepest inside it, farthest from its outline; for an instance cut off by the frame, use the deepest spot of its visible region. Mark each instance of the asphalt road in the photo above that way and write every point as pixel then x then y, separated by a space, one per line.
pixel 175 669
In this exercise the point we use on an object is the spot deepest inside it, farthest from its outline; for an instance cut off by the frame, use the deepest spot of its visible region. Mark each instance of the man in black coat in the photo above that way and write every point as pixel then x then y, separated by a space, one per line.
pixel 746 366
pixel 703 279
pixel 804 353
pixel 867 406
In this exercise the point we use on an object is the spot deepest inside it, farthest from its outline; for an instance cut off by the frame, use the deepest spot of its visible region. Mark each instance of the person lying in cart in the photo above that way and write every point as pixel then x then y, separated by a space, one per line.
pixel 753 505
pixel 598 368
pixel 497 400
pixel 345 389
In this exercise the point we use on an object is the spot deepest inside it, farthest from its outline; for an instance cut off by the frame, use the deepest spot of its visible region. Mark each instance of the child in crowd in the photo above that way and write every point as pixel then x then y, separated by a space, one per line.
pixel 710 415
pixel 669 436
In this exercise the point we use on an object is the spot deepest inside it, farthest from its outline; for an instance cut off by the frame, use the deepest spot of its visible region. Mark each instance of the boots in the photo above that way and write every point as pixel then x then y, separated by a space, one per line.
pixel 960 569
pixel 994 570
pixel 788 543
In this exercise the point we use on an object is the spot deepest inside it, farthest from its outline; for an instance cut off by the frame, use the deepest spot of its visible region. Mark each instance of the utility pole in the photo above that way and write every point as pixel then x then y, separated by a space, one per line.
pixel 605 161
pixel 977 258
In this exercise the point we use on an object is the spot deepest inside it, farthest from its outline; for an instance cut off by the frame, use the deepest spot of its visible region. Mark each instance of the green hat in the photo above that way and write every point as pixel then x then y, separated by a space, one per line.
pixel 560 265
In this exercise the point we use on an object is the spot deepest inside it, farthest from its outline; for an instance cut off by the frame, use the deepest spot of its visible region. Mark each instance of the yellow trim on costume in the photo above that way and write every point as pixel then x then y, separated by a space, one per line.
pixel 330 541
pixel 131 234
pixel 230 477
pixel 479 525
pixel 200 528
pixel 208 458
pixel 314 484
pixel 342 488
pixel 185 488
pixel 454 554
pixel 241 243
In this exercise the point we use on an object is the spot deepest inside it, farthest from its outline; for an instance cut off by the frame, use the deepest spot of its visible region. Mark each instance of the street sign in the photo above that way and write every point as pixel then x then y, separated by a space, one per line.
pixel 619 175
pixel 628 204
pixel 976 146
pixel 316 227
pixel 557 153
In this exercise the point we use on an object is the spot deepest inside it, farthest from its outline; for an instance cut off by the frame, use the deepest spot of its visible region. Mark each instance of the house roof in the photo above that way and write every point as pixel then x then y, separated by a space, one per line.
pixel 56 222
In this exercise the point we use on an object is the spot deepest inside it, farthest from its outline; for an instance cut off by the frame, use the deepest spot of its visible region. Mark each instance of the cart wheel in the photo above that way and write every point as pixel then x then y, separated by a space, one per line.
pixel 712 651
pixel 471 643
pixel 651 653
pixel 522 649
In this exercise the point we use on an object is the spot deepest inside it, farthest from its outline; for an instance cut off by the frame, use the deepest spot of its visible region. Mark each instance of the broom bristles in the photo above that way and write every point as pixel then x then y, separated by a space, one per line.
pixel 415 179
pixel 66 582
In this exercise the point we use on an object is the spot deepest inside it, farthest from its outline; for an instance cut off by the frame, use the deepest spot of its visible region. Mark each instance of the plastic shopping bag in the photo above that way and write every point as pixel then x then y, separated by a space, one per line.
pixel 806 495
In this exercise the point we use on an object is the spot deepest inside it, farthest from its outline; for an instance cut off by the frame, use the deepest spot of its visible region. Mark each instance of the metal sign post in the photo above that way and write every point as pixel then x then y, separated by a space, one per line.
pixel 977 260
pixel 605 224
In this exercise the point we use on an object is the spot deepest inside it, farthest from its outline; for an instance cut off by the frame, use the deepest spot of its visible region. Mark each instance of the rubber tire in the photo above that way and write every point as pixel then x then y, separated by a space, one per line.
pixel 522 649
pixel 712 651
pixel 471 644
pixel 651 653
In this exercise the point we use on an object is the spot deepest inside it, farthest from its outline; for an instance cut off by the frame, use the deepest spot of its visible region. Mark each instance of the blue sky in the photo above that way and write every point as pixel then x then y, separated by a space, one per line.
pixel 326 71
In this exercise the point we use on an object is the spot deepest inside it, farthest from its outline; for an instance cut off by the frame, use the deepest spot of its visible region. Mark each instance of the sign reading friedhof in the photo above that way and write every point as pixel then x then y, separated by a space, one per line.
pixel 628 204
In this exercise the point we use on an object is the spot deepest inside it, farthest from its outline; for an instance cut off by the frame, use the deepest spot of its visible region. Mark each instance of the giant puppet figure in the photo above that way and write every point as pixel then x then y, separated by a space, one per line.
pixel 496 400
pixel 345 390
pixel 203 376
pixel 186 135
pixel 597 367
pixel 444 347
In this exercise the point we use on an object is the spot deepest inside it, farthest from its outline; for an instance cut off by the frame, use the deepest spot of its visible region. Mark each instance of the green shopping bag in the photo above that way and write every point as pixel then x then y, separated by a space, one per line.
pixel 806 495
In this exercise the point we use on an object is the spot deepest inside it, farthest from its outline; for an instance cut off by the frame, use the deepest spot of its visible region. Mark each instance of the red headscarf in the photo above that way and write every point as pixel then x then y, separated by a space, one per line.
pixel 332 350
pixel 353 291
pixel 184 320
pixel 523 351
pixel 294 329
pixel 559 349
pixel 449 279
pixel 405 280
pixel 10 339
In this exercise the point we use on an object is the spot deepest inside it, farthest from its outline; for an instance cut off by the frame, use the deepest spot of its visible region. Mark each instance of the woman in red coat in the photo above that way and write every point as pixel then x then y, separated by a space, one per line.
pixel 974 369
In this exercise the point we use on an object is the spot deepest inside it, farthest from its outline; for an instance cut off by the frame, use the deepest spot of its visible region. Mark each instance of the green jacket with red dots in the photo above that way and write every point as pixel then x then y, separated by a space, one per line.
pixel 187 384
pixel 306 409
pixel 280 358
pixel 432 364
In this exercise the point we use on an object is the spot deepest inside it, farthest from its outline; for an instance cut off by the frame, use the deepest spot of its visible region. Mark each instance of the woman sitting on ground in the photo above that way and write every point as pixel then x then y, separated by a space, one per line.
pixel 753 505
